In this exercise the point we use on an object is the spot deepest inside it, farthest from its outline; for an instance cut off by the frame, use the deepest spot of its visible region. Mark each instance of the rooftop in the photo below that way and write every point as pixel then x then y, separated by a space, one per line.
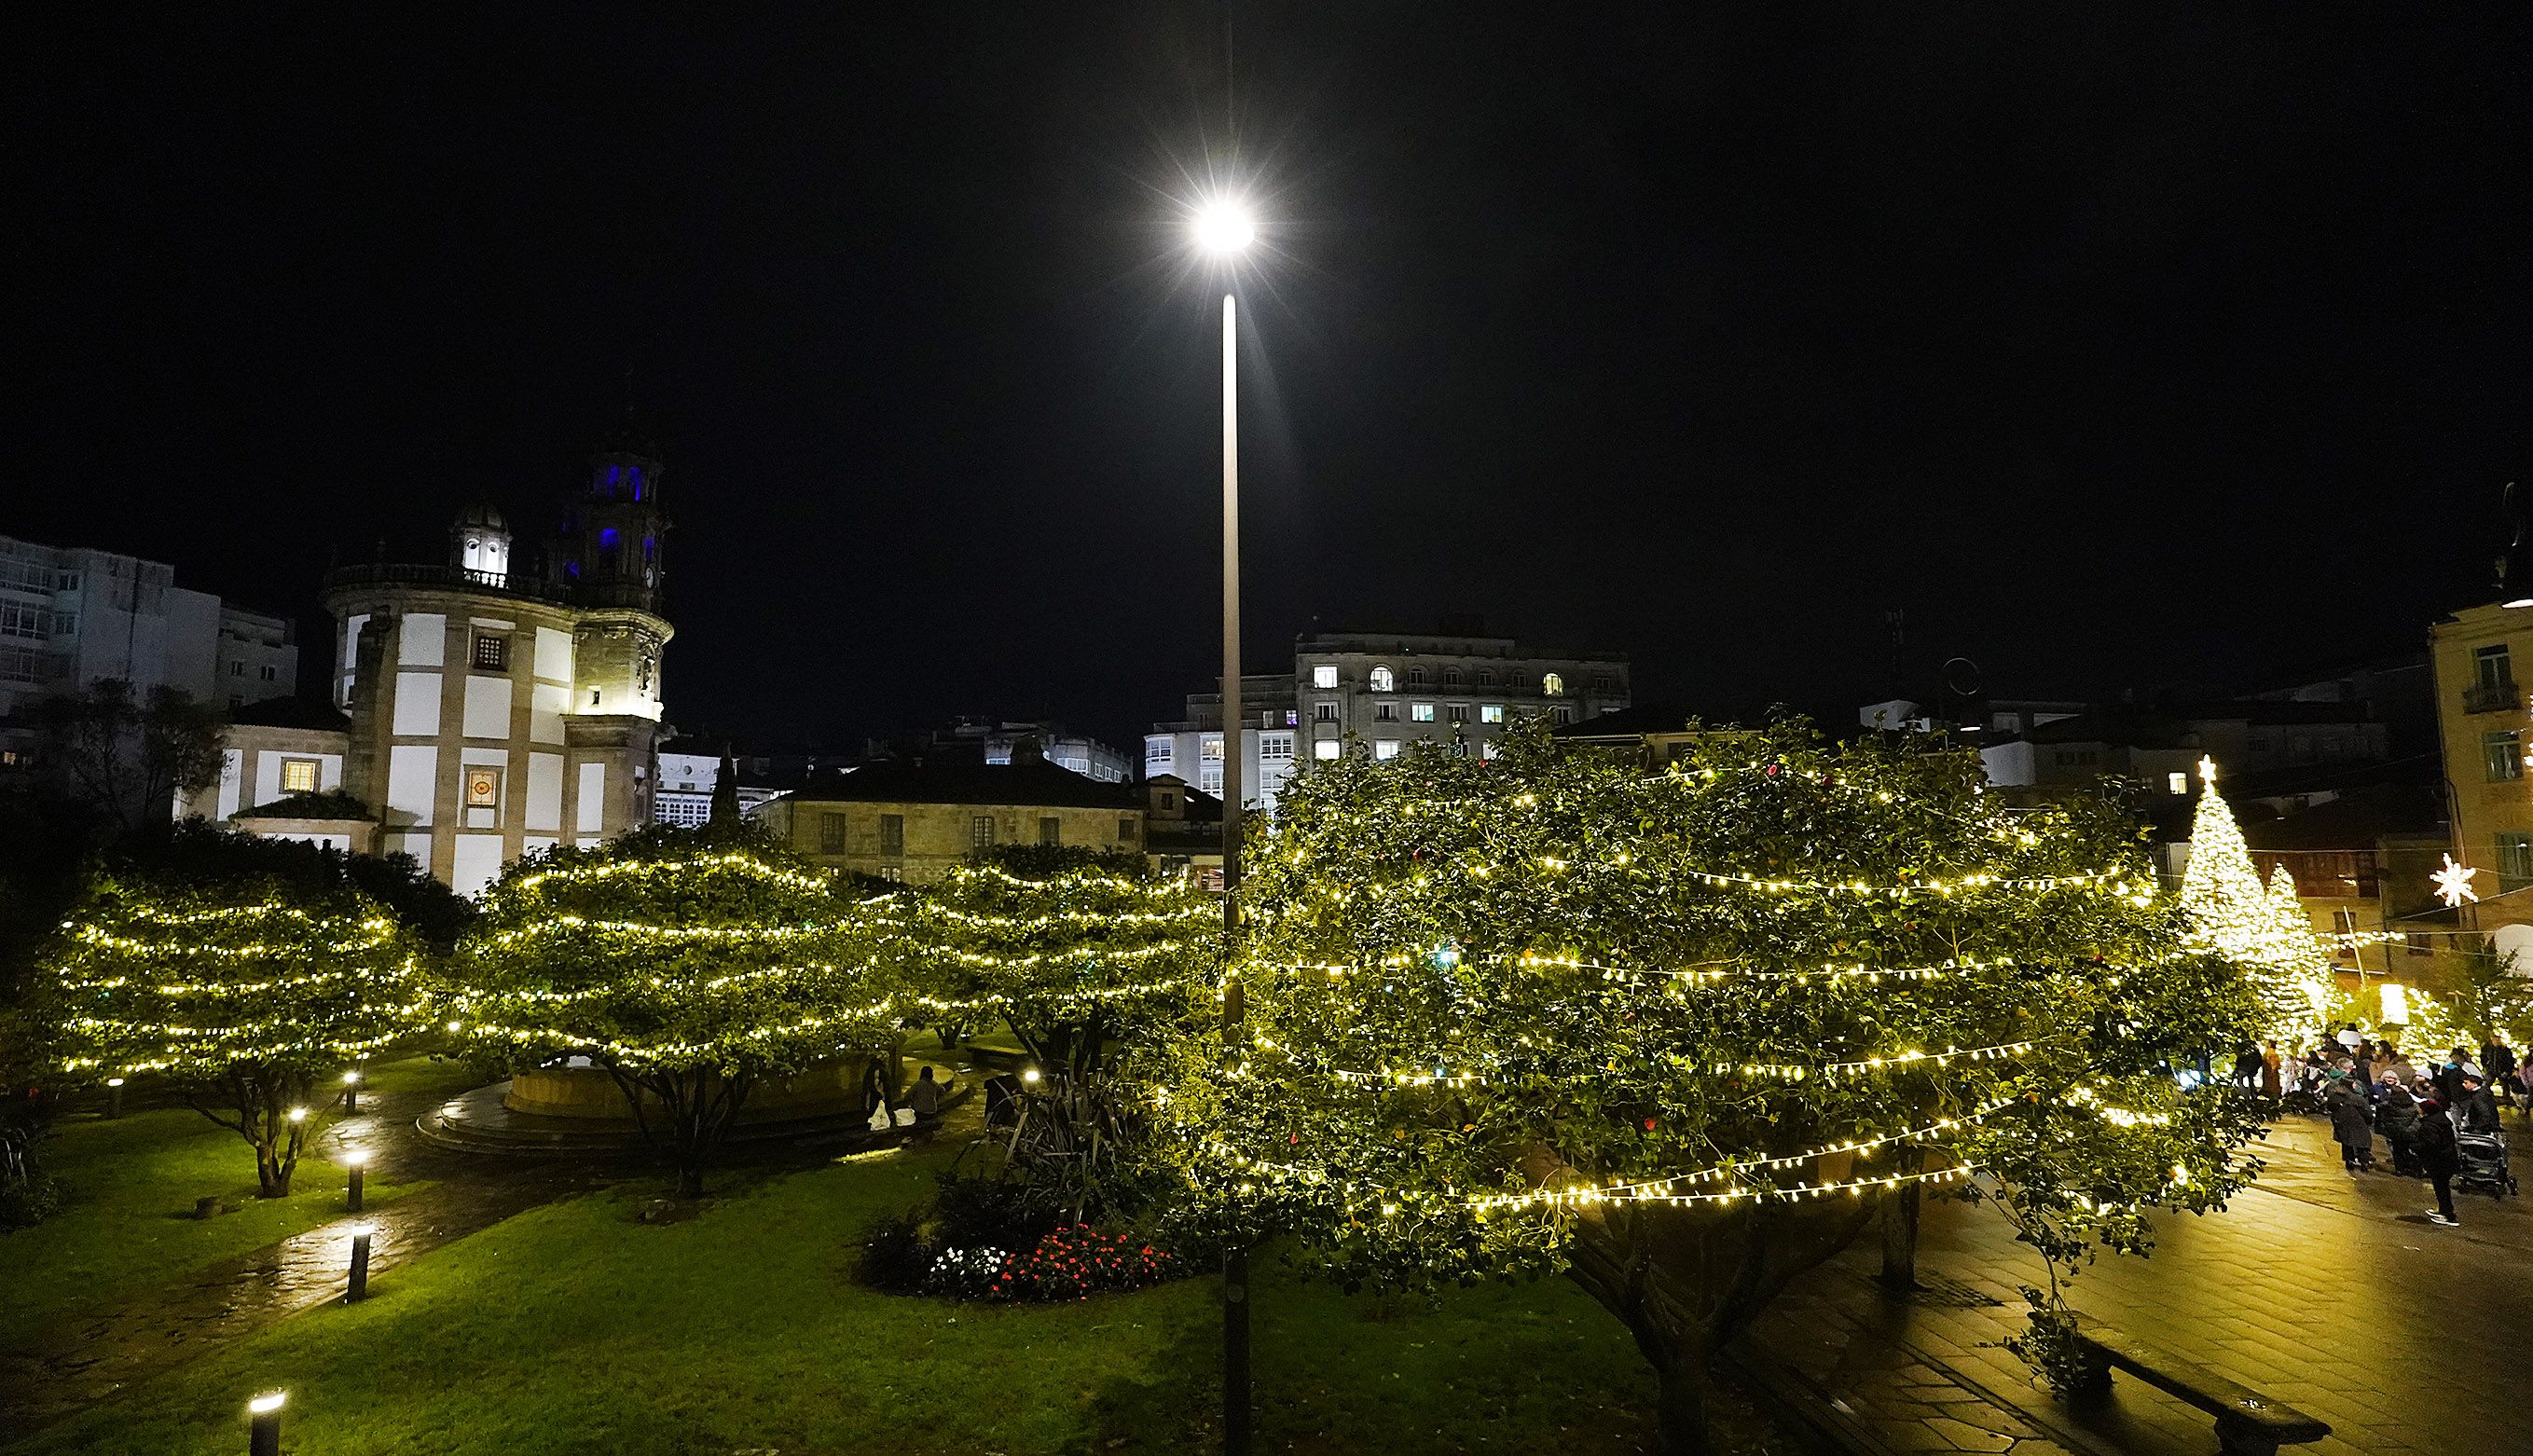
pixel 967 782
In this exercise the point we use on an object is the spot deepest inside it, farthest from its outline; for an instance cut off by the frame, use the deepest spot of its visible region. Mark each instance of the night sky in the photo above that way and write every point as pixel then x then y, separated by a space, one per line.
pixel 2115 347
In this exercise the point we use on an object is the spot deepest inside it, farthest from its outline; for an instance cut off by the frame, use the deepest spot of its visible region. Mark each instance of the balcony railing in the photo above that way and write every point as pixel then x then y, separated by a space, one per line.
pixel 512 583
pixel 2491 697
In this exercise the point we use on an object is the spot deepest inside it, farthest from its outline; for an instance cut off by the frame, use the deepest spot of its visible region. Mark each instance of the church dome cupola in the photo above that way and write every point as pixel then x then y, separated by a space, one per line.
pixel 479 545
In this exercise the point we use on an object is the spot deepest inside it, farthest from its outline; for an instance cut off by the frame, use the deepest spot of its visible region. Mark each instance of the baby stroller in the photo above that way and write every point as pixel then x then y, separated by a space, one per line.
pixel 2484 1163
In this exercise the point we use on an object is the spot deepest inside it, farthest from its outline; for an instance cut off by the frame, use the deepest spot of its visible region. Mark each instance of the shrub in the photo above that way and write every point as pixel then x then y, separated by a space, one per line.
pixel 892 1257
pixel 975 1213
pixel 26 1192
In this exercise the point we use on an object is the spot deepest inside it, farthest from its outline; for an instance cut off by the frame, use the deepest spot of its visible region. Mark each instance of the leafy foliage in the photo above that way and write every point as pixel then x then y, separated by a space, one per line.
pixel 243 985
pixel 691 963
pixel 1667 1034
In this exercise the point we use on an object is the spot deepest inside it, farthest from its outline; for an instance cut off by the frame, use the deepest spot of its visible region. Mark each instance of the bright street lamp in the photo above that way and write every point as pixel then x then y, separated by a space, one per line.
pixel 1223 228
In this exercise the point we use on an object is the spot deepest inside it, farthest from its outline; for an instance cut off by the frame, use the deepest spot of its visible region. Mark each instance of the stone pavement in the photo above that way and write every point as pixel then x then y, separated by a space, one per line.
pixel 2329 1291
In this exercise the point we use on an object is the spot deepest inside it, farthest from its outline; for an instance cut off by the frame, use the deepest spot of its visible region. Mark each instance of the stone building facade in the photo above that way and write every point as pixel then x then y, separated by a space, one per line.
pixel 1386 691
pixel 491 711
pixel 914 821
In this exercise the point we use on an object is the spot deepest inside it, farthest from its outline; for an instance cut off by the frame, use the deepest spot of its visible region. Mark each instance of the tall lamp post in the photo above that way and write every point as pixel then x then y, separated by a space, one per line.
pixel 1225 229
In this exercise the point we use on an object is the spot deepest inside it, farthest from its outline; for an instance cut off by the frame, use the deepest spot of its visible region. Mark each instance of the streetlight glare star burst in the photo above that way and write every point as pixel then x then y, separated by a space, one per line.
pixel 1225 225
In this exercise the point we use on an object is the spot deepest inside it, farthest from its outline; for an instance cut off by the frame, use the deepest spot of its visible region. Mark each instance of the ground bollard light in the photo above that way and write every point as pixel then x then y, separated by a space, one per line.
pixel 354 1162
pixel 264 1423
pixel 359 1288
pixel 114 1096
pixel 351 1092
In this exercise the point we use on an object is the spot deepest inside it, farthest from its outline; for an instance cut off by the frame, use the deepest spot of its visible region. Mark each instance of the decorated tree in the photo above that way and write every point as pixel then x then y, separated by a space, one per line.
pixel 692 965
pixel 2261 929
pixel 1675 1036
pixel 1085 955
pixel 248 992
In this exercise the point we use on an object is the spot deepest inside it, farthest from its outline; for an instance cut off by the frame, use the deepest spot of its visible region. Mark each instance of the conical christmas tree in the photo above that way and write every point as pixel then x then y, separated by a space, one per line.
pixel 2304 1000
pixel 2235 914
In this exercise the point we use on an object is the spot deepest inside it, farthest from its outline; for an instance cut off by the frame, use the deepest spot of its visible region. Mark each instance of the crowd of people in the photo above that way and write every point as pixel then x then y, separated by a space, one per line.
pixel 2431 1119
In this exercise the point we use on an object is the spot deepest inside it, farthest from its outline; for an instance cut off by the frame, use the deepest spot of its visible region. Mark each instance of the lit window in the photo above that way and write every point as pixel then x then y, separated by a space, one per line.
pixel 1324 676
pixel 1213 749
pixel 2503 755
pixel 1292 717
pixel 299 775
pixel 1325 749
pixel 1384 748
pixel 2177 782
pixel 980 831
pixel 1381 681
pixel 1487 749
pixel 491 652
pixel 1490 713
pixel 1420 713
pixel 482 788
pixel 1551 686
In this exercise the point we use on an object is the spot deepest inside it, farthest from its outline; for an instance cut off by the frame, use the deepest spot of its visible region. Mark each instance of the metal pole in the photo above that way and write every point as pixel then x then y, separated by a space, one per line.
pixel 355 1191
pixel 1235 1258
pixel 360 1285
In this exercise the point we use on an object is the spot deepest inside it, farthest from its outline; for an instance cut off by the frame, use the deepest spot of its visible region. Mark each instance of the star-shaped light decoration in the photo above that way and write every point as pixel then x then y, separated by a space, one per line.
pixel 2454 884
pixel 2207 770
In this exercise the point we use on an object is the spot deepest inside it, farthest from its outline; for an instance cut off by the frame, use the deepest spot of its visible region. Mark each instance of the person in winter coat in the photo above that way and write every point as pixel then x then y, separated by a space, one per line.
pixel 2398 1118
pixel 2442 1160
pixel 2346 1104
pixel 2477 1111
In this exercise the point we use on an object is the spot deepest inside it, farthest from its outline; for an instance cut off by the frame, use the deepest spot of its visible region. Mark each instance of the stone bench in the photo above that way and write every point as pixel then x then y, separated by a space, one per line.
pixel 2248 1422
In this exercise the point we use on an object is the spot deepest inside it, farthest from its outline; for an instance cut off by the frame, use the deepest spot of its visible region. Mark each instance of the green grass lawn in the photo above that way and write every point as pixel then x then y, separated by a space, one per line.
pixel 572 1327
pixel 126 1224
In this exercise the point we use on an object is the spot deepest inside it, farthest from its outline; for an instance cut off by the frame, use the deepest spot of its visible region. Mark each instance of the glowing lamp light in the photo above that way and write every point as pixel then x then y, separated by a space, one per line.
pixel 268 1402
pixel 1031 1077
pixel 356 1157
pixel 351 1078
pixel 299 1114
pixel 2454 884
pixel 2396 1004
pixel 2519 602
pixel 114 1082
pixel 1224 226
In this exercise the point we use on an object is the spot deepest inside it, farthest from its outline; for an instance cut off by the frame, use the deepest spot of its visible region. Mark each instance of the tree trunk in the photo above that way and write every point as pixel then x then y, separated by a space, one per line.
pixel 1899 1210
pixel 1686 1280
pixel 1679 1405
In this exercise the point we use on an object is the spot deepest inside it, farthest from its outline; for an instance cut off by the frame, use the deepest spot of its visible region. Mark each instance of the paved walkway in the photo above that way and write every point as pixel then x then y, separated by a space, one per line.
pixel 2329 1291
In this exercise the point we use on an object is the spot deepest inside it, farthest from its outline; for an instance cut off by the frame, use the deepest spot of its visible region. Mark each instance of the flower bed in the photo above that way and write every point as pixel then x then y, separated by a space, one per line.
pixel 1071 1263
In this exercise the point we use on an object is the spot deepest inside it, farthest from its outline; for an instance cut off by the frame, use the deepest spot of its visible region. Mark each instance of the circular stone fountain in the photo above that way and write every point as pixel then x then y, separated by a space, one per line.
pixel 576 1107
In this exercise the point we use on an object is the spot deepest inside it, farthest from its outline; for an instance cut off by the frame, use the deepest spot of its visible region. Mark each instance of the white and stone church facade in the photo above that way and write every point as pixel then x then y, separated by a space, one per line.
pixel 480 710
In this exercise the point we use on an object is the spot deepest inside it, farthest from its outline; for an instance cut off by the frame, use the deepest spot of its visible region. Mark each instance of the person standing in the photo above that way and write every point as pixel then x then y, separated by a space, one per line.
pixel 2271 1062
pixel 2441 1159
pixel 2477 1111
pixel 2346 1104
pixel 2398 1119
